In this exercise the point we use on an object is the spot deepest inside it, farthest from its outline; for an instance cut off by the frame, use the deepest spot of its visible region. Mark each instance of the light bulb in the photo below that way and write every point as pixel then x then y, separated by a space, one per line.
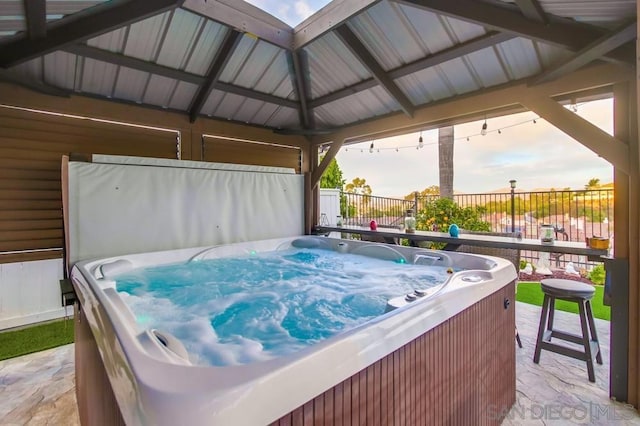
pixel 574 107
pixel 371 148
pixel 420 141
pixel 483 132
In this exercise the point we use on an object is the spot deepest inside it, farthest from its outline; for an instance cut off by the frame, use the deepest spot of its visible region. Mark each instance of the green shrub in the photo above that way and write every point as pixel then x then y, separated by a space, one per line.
pixel 439 213
pixel 597 274
pixel 523 264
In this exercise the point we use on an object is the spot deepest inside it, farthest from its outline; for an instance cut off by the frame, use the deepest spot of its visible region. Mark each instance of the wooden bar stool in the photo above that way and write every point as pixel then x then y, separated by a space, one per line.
pixel 572 291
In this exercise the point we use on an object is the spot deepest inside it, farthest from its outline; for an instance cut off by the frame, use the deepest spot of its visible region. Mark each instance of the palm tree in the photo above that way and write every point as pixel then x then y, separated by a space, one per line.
pixel 594 183
pixel 445 155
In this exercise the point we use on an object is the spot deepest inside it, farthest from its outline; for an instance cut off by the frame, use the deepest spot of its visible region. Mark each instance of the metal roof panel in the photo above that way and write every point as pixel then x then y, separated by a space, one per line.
pixel 130 84
pixel 240 55
pixel 215 98
pixel 426 85
pixel 608 13
pixel 357 107
pixel 458 75
pixel 98 77
pixel 32 69
pixel 332 66
pixel 388 35
pixel 276 79
pixel 428 27
pixel 520 58
pixel 183 96
pixel 159 91
pixel 486 65
pixel 112 41
pixel 283 118
pixel 60 69
pixel 145 37
pixel 257 63
pixel 248 110
pixel 263 115
pixel 229 106
pixel 180 39
pixel 206 48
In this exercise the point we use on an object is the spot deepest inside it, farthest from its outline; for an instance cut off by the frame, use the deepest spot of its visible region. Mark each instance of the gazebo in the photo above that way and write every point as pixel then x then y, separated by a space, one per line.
pixel 221 80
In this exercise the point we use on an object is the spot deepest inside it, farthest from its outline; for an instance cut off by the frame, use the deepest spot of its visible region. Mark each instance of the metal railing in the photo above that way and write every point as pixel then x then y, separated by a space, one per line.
pixel 359 209
pixel 576 214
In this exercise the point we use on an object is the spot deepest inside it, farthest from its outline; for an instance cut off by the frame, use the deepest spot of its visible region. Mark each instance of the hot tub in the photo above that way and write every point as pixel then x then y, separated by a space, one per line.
pixel 445 355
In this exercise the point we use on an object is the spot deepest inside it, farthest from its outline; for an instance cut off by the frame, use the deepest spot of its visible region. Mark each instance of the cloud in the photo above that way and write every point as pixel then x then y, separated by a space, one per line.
pixel 290 14
pixel 303 10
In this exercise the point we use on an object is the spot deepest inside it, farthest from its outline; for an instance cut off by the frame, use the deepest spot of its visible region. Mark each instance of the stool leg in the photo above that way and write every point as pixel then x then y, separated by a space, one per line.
pixel 552 311
pixel 586 342
pixel 594 333
pixel 543 320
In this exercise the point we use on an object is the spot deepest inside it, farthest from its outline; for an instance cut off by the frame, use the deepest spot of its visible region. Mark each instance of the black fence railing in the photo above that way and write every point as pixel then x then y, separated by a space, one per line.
pixel 359 209
pixel 576 215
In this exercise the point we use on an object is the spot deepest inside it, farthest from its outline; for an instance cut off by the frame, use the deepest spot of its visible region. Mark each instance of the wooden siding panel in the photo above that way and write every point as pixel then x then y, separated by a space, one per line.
pixel 461 372
pixel 31 149
pixel 244 152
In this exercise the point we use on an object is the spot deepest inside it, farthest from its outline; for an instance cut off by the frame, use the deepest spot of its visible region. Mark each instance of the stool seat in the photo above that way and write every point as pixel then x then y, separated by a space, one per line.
pixel 567 289
pixel 581 294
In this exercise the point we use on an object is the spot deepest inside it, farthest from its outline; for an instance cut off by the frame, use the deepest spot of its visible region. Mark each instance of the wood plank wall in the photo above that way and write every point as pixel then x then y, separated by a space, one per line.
pixel 31 148
pixel 460 373
pixel 224 150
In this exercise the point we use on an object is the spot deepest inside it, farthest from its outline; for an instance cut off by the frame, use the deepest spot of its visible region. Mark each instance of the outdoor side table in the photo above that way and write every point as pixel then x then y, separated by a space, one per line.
pixel 571 291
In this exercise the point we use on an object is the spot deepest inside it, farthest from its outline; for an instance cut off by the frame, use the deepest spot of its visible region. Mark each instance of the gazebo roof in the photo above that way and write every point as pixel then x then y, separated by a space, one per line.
pixel 352 61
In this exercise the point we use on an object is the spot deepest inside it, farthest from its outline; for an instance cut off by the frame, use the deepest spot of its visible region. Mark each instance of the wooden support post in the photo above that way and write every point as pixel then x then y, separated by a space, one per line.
pixel 619 363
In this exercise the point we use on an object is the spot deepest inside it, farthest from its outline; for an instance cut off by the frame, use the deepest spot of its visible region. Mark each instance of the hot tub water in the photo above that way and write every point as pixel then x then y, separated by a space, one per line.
pixel 240 310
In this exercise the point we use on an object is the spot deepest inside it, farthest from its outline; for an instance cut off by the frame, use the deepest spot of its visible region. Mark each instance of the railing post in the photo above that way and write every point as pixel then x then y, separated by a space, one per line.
pixel 415 201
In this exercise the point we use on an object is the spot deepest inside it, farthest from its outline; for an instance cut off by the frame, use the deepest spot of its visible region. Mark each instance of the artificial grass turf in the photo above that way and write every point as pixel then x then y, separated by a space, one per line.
pixel 529 292
pixel 36 338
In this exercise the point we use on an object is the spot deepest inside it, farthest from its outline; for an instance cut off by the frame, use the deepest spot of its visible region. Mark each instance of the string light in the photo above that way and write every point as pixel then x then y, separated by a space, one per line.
pixel 574 107
pixel 483 132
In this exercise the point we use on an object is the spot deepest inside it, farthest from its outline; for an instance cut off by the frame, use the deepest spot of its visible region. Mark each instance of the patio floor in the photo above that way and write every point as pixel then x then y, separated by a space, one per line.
pixel 38 389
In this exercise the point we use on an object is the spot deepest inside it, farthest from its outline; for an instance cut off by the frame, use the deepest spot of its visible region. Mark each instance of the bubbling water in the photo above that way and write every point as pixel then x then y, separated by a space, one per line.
pixel 241 310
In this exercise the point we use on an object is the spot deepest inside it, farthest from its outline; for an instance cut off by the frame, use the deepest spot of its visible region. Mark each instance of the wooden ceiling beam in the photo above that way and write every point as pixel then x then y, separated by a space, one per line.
pixel 572 36
pixel 504 97
pixel 176 74
pixel 36 13
pixel 532 10
pixel 229 44
pixel 359 50
pixel 81 26
pixel 592 52
pixel 597 140
pixel 299 70
pixel 462 49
